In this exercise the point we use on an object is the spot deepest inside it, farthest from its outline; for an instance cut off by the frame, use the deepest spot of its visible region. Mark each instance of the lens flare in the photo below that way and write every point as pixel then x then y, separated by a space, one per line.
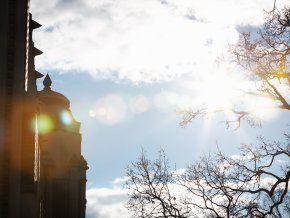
pixel 139 104
pixel 110 109
pixel 92 113
pixel 44 124
pixel 165 101
pixel 65 117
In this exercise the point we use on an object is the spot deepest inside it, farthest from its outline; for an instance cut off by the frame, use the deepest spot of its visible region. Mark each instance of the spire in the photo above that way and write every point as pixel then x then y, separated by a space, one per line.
pixel 37 74
pixel 33 24
pixel 47 82
pixel 36 51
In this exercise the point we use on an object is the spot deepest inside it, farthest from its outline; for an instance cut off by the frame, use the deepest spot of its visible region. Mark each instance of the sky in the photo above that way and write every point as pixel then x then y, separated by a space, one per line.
pixel 128 68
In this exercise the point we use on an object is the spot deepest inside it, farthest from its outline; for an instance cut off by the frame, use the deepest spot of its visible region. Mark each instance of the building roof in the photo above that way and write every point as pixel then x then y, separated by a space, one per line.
pixel 49 96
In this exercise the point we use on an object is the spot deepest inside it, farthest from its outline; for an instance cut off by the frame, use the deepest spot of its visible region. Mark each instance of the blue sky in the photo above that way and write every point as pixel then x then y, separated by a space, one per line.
pixel 128 66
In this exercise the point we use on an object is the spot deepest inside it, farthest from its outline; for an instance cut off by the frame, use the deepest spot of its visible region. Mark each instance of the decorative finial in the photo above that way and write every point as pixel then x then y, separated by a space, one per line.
pixel 47 82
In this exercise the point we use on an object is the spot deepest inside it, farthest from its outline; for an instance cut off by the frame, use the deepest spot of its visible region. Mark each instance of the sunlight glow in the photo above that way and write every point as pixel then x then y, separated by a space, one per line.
pixel 171 101
pixel 217 91
pixel 262 108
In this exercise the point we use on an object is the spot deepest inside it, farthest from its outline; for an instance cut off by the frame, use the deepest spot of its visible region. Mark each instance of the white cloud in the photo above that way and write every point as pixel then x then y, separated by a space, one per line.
pixel 107 202
pixel 224 12
pixel 137 40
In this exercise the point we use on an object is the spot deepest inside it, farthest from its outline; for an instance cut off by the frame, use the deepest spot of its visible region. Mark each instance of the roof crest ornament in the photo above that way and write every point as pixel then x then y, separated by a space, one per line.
pixel 47 82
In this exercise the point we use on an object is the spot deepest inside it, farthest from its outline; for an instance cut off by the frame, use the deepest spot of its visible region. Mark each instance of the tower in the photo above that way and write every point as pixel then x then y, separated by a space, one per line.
pixel 42 171
pixel 14 46
pixel 62 167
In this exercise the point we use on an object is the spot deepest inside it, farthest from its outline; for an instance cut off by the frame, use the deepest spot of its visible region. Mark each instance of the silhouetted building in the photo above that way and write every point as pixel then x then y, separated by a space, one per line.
pixel 62 167
pixel 42 171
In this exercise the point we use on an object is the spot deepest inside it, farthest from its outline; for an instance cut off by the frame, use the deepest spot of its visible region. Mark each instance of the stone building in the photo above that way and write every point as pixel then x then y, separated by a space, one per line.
pixel 42 171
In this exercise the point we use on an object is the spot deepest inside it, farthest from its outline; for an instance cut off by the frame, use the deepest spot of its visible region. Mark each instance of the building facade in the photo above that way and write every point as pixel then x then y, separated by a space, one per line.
pixel 42 171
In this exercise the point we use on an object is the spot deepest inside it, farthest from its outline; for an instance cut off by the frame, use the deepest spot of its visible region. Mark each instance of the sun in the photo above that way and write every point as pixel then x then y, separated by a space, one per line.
pixel 227 92
pixel 217 91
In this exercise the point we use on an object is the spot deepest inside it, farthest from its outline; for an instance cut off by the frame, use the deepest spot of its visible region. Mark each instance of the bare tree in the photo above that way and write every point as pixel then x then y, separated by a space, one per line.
pixel 253 184
pixel 150 189
pixel 265 58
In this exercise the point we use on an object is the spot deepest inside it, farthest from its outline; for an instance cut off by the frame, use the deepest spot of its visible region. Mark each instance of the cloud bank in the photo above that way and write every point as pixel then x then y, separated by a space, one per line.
pixel 137 40
pixel 106 203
